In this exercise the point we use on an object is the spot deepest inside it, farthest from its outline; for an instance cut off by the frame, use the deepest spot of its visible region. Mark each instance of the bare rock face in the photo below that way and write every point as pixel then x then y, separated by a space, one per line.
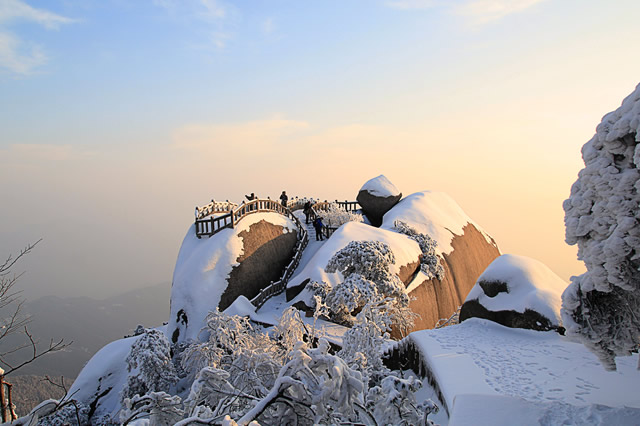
pixel 377 196
pixel 267 251
pixel 435 299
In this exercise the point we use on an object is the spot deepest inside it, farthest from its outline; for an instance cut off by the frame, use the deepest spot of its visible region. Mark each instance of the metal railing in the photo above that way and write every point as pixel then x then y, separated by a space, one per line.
pixel 206 227
pixel 214 207
pixel 328 230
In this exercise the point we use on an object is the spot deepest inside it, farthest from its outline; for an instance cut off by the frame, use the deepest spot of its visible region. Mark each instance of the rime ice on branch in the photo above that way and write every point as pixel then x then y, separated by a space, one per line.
pixel 601 216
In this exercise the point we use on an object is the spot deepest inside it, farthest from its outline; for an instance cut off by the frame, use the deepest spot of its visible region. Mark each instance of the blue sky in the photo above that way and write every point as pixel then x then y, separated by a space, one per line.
pixel 120 116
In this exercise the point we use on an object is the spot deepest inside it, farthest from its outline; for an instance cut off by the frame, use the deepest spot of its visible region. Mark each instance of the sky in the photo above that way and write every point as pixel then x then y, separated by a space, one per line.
pixel 118 117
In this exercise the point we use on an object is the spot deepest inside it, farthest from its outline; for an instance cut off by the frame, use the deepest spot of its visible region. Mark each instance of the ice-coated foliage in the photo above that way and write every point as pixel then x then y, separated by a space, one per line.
pixel 371 259
pixel 285 376
pixel 601 306
pixel 335 216
pixel 160 408
pixel 430 261
pixel 59 413
pixel 394 402
pixel 150 366
pixel 362 342
pixel 368 279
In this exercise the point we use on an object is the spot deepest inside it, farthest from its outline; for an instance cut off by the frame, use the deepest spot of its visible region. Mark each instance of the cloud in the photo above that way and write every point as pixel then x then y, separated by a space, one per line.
pixel 478 11
pixel 268 26
pixel 484 11
pixel 211 15
pixel 11 10
pixel 411 4
pixel 16 55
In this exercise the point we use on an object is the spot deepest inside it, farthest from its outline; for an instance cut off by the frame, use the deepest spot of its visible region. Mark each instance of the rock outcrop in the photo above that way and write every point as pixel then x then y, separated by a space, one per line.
pixel 266 252
pixel 517 292
pixel 377 196
pixel 435 299
pixel 212 272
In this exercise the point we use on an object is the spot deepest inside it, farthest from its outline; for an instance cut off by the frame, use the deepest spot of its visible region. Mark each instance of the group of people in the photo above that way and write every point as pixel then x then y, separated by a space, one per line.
pixel 284 199
pixel 317 221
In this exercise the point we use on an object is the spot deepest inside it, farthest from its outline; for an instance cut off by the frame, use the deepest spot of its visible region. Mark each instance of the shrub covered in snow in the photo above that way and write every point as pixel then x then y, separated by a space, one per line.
pixel 430 261
pixel 602 217
pixel 334 215
pixel 245 374
pixel 150 366
pixel 368 279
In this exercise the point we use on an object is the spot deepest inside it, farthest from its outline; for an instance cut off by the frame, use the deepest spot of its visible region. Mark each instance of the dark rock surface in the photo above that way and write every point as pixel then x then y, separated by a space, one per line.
pixel 374 206
pixel 267 251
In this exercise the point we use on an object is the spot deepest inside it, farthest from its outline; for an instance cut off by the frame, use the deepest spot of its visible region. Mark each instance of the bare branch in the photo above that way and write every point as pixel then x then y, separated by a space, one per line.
pixel 54 346
pixel 12 260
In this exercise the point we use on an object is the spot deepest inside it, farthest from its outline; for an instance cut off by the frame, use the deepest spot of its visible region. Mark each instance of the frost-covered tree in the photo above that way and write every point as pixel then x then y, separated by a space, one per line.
pixel 366 266
pixel 430 261
pixel 150 366
pixel 335 216
pixel 394 402
pixel 160 408
pixel 314 387
pixel 601 306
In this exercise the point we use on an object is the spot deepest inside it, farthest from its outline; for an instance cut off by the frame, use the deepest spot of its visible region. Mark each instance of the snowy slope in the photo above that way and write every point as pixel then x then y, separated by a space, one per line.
pixel 479 362
pixel 104 376
pixel 532 285
pixel 202 269
pixel 432 213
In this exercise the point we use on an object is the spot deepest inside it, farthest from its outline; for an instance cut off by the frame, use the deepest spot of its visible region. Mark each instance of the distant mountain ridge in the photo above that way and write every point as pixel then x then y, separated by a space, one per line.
pixel 90 324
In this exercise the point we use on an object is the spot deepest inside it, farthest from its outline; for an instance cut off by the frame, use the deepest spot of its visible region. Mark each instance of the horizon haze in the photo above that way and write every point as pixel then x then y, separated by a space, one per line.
pixel 118 118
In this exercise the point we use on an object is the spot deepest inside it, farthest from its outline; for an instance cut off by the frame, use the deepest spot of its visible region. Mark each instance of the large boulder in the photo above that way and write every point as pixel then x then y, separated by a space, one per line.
pixel 212 272
pixel 517 292
pixel 463 248
pixel 377 196
pixel 266 252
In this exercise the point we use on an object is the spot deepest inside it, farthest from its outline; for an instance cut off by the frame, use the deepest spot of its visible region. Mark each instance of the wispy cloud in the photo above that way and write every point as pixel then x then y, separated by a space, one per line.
pixel 411 4
pixel 484 11
pixel 11 10
pixel 478 11
pixel 213 14
pixel 16 55
pixel 268 26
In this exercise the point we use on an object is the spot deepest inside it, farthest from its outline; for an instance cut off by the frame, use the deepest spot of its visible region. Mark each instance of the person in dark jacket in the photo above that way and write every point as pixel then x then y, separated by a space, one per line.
pixel 284 198
pixel 318 225
pixel 307 211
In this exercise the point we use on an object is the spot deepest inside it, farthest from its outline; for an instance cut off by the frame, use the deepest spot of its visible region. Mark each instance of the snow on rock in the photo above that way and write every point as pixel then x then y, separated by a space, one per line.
pixel 521 371
pixel 464 249
pixel 434 214
pixel 514 285
pixel 376 197
pixel 405 250
pixel 202 271
pixel 602 218
pixel 105 375
pixel 381 187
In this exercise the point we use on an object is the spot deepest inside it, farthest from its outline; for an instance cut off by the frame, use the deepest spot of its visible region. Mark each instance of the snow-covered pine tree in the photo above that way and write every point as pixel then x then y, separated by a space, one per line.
pixel 368 279
pixel 150 366
pixel 602 214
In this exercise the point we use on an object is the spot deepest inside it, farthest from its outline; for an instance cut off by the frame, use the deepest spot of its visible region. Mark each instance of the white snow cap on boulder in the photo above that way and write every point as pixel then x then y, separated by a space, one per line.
pixel 380 186
pixel 531 286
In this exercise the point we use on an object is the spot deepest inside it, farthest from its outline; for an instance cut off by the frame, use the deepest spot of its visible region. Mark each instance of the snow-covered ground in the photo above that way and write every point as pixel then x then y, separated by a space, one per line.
pixel 493 375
